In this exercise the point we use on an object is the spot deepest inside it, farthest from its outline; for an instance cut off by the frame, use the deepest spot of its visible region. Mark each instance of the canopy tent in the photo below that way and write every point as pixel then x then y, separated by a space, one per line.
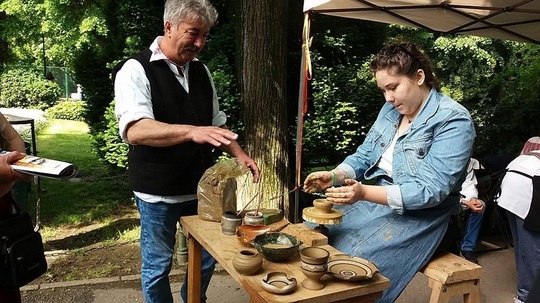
pixel 517 20
pixel 500 19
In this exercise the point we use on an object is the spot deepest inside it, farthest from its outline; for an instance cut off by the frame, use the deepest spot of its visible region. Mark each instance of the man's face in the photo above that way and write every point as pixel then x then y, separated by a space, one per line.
pixel 181 44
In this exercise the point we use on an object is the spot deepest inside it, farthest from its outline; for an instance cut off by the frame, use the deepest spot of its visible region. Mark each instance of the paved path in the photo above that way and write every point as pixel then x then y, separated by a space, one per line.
pixel 497 284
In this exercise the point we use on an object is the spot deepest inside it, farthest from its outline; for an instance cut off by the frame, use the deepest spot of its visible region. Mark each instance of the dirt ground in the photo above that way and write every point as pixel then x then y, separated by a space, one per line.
pixel 82 253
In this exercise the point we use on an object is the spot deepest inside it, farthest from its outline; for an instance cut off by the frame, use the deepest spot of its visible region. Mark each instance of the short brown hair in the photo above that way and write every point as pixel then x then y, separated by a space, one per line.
pixel 406 58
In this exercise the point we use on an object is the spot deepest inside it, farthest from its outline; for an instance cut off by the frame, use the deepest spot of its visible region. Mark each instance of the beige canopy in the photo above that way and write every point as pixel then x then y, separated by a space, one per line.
pixel 517 20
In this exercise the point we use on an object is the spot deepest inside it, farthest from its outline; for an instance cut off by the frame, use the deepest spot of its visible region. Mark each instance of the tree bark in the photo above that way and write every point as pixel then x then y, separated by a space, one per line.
pixel 262 57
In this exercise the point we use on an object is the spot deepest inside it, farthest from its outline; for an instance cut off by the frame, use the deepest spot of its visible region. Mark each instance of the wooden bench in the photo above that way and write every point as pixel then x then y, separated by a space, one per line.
pixel 450 275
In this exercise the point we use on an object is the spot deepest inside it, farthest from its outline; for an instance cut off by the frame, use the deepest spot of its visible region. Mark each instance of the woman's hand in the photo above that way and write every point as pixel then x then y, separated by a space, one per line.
pixel 318 181
pixel 8 175
pixel 349 193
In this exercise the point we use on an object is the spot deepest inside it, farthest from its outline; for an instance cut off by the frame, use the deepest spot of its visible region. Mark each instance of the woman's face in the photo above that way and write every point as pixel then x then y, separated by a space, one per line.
pixel 405 93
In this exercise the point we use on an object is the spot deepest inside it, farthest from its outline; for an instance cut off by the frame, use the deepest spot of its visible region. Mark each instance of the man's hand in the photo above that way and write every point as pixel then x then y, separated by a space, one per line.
pixel 213 135
pixel 250 163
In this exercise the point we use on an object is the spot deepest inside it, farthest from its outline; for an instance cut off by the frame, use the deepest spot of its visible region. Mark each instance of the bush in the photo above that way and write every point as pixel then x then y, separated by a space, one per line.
pixel 68 110
pixel 25 88
pixel 111 149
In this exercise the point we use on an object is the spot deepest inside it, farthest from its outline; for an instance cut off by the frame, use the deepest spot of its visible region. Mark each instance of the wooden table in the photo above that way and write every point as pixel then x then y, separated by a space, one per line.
pixel 222 247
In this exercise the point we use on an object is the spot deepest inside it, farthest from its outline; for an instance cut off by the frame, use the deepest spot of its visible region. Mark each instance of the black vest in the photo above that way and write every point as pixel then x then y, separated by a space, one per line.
pixel 172 170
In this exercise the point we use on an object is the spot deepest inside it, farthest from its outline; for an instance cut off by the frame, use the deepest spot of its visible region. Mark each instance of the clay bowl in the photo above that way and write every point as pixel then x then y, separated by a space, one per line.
pixel 314 255
pixel 323 205
pixel 278 283
pixel 276 246
pixel 246 233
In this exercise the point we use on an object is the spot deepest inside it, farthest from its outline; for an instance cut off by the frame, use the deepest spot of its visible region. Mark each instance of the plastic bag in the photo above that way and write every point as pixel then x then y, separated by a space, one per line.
pixel 216 190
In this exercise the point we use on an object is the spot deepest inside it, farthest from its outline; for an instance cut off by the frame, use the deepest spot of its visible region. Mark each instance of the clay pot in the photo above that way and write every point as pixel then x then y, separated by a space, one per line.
pixel 246 233
pixel 229 222
pixel 247 261
pixel 253 218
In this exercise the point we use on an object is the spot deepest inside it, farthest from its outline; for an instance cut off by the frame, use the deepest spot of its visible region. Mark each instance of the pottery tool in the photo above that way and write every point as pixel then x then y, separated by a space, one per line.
pixel 259 205
pixel 244 208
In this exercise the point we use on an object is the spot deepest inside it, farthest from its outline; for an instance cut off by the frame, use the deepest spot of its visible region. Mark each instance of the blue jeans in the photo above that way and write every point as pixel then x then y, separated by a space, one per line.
pixel 158 236
pixel 527 254
pixel 472 229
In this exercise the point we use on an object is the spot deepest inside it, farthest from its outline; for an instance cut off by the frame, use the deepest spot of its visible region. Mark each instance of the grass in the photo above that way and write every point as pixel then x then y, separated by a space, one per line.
pixel 98 196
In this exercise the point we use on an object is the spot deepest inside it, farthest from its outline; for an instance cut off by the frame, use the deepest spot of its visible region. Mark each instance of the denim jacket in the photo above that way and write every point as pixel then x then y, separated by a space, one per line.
pixel 429 159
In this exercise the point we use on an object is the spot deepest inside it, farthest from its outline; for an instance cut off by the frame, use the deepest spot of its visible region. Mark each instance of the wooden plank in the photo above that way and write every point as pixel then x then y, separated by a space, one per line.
pixel 194 271
pixel 307 235
pixel 450 268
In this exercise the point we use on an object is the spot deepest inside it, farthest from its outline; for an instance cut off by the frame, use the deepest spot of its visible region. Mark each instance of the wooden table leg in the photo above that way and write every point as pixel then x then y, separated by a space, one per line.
pixel 194 271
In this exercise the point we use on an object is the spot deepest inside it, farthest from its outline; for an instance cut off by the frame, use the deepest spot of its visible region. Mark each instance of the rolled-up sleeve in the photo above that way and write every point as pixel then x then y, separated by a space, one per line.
pixel 132 96
pixel 394 200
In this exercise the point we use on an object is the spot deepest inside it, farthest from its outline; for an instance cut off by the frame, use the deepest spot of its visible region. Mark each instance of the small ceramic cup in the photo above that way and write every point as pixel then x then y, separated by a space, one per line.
pixel 253 218
pixel 229 221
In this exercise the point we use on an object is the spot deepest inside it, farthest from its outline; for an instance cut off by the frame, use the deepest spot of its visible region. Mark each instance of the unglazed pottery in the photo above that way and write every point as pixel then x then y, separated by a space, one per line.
pixel 247 261
pixel 229 221
pixel 278 283
pixel 253 218
pixel 276 246
pixel 322 213
pixel 322 205
pixel 349 268
pixel 313 263
pixel 246 233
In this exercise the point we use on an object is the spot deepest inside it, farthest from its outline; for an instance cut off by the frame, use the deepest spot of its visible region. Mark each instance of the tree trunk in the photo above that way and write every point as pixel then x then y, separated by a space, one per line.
pixel 262 55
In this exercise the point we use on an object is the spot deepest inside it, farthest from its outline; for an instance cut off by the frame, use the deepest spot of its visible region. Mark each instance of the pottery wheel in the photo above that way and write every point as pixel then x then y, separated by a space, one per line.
pixel 313 215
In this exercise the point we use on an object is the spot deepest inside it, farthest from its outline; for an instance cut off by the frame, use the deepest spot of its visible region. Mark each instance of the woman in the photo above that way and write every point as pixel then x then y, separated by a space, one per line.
pixel 9 141
pixel 417 152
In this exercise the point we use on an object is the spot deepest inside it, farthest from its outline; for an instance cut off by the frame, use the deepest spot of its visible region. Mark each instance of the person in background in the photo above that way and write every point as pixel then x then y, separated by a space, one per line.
pixel 417 152
pixel 11 142
pixel 168 111
pixel 532 144
pixel 534 293
pixel 520 198
pixel 474 209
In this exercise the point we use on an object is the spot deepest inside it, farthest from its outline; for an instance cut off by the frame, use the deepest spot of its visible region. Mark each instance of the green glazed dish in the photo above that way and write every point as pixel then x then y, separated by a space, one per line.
pixel 276 246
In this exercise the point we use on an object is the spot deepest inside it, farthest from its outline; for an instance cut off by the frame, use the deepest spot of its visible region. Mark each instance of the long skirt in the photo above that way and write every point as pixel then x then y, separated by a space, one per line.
pixel 399 245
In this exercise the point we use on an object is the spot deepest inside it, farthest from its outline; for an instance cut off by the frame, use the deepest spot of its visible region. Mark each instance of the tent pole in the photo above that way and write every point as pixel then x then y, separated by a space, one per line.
pixel 299 135
pixel 302 100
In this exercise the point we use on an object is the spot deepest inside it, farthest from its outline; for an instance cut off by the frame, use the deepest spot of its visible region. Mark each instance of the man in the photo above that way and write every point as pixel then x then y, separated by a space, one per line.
pixel 474 209
pixel 168 112
pixel 520 198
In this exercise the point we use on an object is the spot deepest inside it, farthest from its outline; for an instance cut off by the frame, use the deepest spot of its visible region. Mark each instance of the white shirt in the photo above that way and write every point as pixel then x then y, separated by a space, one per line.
pixel 386 159
pixel 468 188
pixel 516 190
pixel 133 103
